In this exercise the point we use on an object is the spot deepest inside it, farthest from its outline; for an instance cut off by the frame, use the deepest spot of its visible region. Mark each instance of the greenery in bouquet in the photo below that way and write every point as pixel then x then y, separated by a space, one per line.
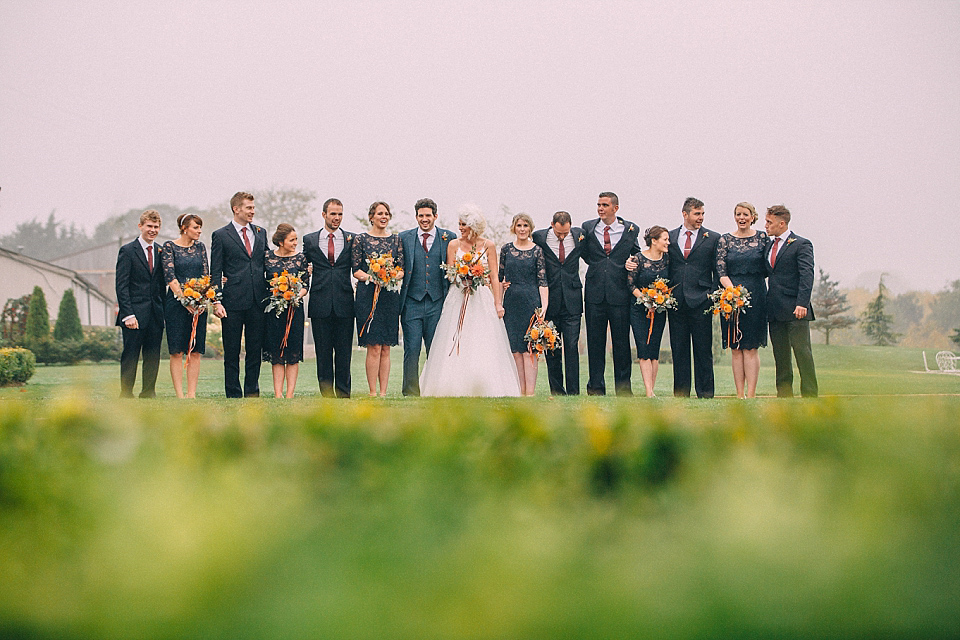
pixel 470 271
pixel 285 292
pixel 542 335
pixel 658 297
pixel 728 301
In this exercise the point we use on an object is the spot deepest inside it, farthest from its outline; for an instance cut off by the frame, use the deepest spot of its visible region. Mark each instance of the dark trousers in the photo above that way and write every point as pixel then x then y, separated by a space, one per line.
pixel 333 339
pixel 248 324
pixel 793 334
pixel 617 317
pixel 419 323
pixel 569 328
pixel 692 325
pixel 145 340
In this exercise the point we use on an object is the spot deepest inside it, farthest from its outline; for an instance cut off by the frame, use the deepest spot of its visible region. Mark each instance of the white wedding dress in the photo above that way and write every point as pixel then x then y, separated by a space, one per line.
pixel 481 364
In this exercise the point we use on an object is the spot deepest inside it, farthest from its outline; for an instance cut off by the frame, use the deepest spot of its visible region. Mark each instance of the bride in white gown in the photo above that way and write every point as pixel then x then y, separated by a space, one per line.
pixel 472 357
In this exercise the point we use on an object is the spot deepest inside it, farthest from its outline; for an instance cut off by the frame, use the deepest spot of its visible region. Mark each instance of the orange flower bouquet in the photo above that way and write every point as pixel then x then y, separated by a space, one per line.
pixel 657 298
pixel 285 290
pixel 542 335
pixel 285 295
pixel 730 302
pixel 470 271
pixel 198 296
pixel 384 274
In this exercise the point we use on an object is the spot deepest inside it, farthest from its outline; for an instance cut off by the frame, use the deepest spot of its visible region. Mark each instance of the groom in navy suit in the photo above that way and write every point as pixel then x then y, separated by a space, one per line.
pixel 693 275
pixel 790 272
pixel 424 288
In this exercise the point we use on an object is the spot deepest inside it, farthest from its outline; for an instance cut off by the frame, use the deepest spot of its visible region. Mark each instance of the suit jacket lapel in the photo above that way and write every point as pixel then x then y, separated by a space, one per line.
pixel 623 234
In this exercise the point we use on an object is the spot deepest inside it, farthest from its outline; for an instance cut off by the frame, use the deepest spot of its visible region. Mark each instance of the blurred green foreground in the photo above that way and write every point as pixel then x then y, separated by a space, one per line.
pixel 480 519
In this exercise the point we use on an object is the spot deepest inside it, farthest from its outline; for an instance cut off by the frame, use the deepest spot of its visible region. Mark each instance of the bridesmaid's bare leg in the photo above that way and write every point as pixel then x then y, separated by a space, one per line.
pixel 530 371
pixel 176 373
pixel 372 366
pixel 751 370
pixel 277 371
pixel 291 371
pixel 193 374
pixel 736 357
pixel 518 360
pixel 384 372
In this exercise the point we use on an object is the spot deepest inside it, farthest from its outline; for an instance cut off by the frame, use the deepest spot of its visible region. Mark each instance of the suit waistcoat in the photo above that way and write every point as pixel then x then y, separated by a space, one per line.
pixel 426 277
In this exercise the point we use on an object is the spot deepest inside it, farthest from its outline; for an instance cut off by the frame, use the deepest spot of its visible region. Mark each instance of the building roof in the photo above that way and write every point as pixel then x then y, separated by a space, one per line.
pixel 34 263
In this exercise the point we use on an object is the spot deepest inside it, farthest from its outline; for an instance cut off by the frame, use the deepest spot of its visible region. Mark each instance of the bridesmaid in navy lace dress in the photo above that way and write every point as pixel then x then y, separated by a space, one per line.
pixel 285 359
pixel 382 331
pixel 652 263
pixel 182 259
pixel 523 271
pixel 740 261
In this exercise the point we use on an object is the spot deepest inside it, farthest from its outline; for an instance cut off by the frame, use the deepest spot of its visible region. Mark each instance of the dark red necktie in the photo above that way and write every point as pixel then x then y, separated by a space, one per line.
pixel 331 250
pixel 687 245
pixel 773 252
pixel 563 252
pixel 246 241
pixel 606 240
pixel 150 257
pixel 425 236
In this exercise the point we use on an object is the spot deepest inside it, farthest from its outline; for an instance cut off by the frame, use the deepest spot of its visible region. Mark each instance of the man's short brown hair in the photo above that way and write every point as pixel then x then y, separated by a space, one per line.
pixel 150 214
pixel 238 199
pixel 561 217
pixel 780 211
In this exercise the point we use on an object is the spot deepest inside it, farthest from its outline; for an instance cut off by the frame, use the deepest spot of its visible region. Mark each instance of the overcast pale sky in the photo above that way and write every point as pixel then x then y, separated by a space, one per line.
pixel 848 113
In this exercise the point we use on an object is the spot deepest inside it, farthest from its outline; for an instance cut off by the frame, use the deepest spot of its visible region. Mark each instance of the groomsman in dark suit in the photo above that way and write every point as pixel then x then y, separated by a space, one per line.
pixel 790 269
pixel 140 289
pixel 693 274
pixel 236 261
pixel 608 243
pixel 331 300
pixel 562 246
pixel 424 288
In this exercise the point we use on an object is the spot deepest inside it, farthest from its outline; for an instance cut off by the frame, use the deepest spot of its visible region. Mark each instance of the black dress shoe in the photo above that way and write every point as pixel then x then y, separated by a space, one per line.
pixel 252 394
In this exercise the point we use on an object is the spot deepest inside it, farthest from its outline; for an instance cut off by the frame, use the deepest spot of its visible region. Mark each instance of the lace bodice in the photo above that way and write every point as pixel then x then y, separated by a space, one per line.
pixel 738 256
pixel 296 264
pixel 183 263
pixel 648 270
pixel 522 266
pixel 365 245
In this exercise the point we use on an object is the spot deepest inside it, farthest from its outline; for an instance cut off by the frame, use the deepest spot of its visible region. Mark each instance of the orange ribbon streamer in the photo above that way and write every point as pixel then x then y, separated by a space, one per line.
pixel 193 332
pixel 286 334
pixel 376 296
pixel 463 313
pixel 650 313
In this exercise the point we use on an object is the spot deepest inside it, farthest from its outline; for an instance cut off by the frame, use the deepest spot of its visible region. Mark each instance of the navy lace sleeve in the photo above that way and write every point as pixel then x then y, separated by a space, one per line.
pixel 722 255
pixel 166 259
pixel 541 267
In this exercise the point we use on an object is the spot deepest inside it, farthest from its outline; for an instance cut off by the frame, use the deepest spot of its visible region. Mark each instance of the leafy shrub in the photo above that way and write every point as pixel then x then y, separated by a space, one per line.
pixel 68 325
pixel 38 319
pixel 16 366
pixel 102 343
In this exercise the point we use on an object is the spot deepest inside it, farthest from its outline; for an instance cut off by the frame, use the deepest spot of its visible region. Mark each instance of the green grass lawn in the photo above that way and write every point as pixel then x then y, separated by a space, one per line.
pixel 482 518
pixel 840 371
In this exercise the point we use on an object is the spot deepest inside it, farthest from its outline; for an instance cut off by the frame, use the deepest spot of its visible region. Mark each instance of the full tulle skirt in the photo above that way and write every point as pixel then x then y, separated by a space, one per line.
pixel 481 364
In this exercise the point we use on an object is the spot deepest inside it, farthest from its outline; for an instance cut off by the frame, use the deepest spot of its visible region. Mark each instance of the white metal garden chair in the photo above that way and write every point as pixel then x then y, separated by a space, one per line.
pixel 946 362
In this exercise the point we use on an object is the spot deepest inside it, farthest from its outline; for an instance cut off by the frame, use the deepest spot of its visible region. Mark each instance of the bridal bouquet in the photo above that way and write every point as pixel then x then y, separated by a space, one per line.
pixel 285 290
pixel 470 271
pixel 658 297
pixel 384 274
pixel 198 296
pixel 541 334
pixel 729 301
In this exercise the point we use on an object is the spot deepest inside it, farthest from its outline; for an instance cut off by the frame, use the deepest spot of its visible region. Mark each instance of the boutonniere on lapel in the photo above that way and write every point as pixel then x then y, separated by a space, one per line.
pixel 580 239
pixel 349 238
pixel 444 235
pixel 790 240
pixel 630 229
pixel 706 234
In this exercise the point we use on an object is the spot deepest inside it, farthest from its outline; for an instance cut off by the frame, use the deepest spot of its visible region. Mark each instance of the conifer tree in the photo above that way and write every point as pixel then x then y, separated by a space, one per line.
pixel 875 322
pixel 68 325
pixel 830 305
pixel 38 319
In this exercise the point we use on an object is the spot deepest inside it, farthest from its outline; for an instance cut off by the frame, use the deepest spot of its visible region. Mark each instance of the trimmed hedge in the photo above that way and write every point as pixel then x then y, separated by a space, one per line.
pixel 16 366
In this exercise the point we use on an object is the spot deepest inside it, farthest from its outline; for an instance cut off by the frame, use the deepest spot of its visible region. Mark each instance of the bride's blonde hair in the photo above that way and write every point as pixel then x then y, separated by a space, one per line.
pixel 471 216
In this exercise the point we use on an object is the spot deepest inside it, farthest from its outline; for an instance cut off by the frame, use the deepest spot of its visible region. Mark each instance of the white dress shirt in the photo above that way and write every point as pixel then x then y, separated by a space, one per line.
pixel 554 242
pixel 783 242
pixel 682 238
pixel 616 230
pixel 431 236
pixel 338 242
